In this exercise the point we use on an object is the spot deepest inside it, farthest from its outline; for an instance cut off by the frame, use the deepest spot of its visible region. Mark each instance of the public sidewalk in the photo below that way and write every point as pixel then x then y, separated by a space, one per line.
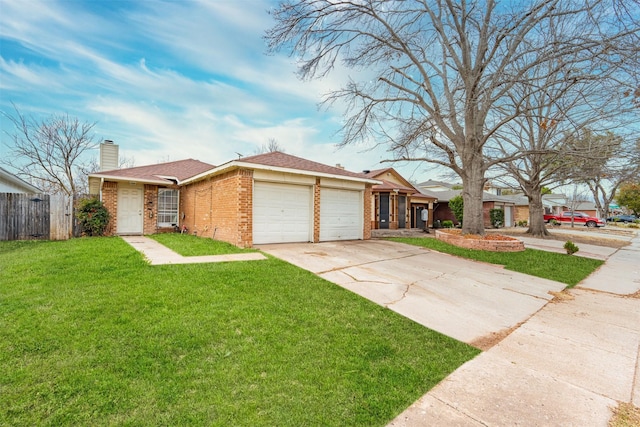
pixel 568 365
pixel 158 254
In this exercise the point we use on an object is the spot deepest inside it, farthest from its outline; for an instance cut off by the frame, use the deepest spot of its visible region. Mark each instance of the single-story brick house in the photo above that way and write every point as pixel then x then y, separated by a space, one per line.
pixel 442 211
pixel 268 198
pixel 396 203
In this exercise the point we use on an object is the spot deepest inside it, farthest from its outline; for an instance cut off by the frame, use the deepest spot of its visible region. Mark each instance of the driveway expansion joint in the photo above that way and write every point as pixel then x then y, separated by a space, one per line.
pixel 457 409
pixel 365 263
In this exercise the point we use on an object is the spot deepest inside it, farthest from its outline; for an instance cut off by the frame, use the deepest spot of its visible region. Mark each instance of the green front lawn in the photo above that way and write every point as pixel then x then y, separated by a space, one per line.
pixel 90 334
pixel 563 268
pixel 189 245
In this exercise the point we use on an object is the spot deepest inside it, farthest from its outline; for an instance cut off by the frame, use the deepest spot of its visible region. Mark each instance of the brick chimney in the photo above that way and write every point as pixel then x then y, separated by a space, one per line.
pixel 108 155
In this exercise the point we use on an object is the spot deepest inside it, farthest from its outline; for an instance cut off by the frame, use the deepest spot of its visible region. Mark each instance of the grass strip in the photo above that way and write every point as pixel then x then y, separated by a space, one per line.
pixel 90 334
pixel 562 268
pixel 189 245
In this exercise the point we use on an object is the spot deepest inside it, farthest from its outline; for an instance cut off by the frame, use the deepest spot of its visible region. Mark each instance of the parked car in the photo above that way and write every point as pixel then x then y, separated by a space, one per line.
pixel 622 218
pixel 578 218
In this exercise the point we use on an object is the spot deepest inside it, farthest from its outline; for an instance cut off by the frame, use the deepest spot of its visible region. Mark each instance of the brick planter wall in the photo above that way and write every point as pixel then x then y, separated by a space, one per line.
pixel 514 245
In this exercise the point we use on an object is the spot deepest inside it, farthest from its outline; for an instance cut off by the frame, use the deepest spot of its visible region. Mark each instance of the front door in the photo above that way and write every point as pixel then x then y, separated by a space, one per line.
pixel 129 218
pixel 384 210
pixel 418 222
pixel 402 212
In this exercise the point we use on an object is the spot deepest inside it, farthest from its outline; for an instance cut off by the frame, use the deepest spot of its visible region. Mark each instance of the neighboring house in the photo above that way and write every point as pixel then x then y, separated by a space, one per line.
pixel 431 185
pixel 396 203
pixel 268 198
pixel 585 206
pixel 490 187
pixel 10 183
pixel 442 211
pixel 521 207
pixel 554 204
pixel 493 201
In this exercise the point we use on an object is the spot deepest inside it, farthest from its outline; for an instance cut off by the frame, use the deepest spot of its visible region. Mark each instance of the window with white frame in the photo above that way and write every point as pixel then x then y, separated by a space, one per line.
pixel 167 207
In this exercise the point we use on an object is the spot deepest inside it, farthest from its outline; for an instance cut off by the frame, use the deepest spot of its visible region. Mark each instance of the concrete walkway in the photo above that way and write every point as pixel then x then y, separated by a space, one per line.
pixel 568 365
pixel 158 254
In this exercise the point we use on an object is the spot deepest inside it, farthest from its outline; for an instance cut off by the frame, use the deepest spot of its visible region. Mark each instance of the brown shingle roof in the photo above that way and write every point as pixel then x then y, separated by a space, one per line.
pixel 390 186
pixel 282 160
pixel 180 170
pixel 376 172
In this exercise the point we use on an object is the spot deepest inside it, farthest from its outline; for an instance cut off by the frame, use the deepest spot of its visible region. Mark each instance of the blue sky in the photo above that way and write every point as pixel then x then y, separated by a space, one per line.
pixel 169 80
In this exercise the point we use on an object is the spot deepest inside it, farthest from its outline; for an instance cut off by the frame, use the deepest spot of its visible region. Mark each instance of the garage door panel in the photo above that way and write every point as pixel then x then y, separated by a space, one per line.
pixel 341 214
pixel 281 213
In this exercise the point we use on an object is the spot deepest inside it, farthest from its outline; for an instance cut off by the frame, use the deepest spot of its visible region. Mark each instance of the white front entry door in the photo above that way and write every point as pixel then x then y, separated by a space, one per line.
pixel 129 209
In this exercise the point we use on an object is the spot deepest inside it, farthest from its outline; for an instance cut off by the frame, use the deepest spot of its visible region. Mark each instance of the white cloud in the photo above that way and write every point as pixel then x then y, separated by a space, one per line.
pixel 171 80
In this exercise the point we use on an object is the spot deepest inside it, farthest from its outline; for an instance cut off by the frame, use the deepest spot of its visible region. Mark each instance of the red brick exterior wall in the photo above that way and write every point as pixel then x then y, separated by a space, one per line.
pixel 110 201
pixel 443 212
pixel 366 232
pixel 150 209
pixel 220 207
pixel 486 218
pixel 521 214
pixel 244 210
pixel 514 245
pixel 316 211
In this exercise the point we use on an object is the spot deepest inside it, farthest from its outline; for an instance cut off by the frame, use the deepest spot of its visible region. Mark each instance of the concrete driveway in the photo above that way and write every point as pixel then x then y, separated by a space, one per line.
pixel 567 364
pixel 470 301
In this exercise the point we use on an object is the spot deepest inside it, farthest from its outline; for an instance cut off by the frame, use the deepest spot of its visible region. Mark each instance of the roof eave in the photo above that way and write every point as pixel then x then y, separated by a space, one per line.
pixel 130 179
pixel 19 181
pixel 246 165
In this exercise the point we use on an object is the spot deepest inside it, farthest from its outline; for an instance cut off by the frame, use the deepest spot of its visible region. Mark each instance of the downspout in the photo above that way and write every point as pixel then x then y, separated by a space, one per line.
pixel 101 184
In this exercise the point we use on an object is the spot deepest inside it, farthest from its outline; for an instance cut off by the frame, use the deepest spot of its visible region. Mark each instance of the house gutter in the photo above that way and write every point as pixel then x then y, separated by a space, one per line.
pixel 131 179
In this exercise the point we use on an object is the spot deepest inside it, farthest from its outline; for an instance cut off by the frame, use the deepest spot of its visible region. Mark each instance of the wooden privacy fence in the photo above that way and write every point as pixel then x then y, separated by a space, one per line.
pixel 36 216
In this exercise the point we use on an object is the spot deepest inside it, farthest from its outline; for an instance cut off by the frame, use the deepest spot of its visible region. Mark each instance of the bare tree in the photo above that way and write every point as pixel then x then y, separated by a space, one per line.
pixel 271 146
pixel 49 152
pixel 577 197
pixel 93 166
pixel 617 162
pixel 440 68
pixel 552 142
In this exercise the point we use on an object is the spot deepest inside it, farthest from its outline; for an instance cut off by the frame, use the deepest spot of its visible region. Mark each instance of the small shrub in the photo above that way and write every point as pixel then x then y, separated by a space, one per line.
pixel 522 223
pixel 554 222
pixel 92 216
pixel 497 217
pixel 456 204
pixel 571 247
pixel 447 223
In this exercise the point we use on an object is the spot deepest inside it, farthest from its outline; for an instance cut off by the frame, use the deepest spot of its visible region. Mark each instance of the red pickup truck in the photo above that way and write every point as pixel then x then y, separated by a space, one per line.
pixel 578 218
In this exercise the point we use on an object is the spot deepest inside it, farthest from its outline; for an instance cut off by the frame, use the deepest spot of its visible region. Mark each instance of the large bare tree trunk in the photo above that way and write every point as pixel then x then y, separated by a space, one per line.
pixel 473 183
pixel 537 227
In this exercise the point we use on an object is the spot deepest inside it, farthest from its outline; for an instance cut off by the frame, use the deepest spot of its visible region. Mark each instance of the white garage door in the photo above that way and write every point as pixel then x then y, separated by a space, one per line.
pixel 341 214
pixel 281 213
